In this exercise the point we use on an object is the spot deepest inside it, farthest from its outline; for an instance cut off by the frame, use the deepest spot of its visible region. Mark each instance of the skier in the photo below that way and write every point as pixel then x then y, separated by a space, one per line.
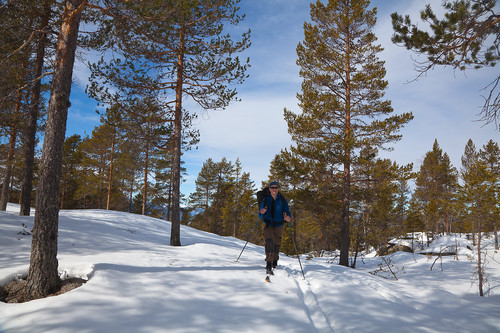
pixel 274 212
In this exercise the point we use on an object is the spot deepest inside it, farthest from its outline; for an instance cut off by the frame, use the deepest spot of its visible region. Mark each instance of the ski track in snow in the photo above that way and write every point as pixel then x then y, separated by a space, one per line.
pixel 317 317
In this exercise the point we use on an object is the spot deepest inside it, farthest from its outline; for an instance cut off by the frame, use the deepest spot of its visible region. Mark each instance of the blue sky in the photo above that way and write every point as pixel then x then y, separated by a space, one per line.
pixel 444 102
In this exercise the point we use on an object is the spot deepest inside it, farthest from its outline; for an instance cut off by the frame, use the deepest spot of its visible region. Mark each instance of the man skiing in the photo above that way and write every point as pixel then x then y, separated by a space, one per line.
pixel 274 212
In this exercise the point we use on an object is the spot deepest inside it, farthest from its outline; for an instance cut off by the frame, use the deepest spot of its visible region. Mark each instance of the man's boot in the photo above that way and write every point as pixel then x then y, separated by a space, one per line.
pixel 269 268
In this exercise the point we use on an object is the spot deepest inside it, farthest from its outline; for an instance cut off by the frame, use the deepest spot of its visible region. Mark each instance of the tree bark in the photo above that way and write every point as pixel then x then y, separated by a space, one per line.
pixel 29 153
pixel 175 238
pixel 495 232
pixel 110 176
pixel 43 276
pixel 345 241
pixel 480 273
pixel 4 197
pixel 146 165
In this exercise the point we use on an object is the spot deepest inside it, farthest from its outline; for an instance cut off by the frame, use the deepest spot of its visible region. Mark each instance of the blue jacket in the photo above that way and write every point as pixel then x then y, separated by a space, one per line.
pixel 280 207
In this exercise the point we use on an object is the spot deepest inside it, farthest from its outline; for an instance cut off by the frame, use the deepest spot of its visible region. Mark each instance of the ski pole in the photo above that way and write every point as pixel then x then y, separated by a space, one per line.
pixel 243 249
pixel 297 252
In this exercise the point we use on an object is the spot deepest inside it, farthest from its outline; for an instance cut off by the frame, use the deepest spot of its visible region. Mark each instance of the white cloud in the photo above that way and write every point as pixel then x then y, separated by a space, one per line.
pixel 252 130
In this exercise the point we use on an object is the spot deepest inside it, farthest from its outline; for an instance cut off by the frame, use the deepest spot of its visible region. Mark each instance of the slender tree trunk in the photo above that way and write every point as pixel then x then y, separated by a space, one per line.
pixel 29 153
pixel 169 205
pixel 346 186
pixel 4 198
pixel 130 198
pixel 479 264
pixel 175 237
pixel 145 188
pixel 6 185
pixel 43 276
pixel 63 190
pixel 480 273
pixel 344 228
pixel 235 223
pixel 110 177
pixel 495 231
pixel 100 183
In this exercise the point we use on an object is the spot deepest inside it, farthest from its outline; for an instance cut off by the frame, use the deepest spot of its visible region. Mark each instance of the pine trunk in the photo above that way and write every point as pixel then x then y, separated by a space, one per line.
pixel 4 198
pixel 344 228
pixel 480 274
pixel 43 276
pixel 29 153
pixel 495 231
pixel 169 209
pixel 146 166
pixel 130 194
pixel 175 237
pixel 110 176
pixel 345 241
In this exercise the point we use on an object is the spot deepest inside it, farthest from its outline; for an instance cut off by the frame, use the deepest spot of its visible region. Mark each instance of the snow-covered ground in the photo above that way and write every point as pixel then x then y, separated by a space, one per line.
pixel 138 283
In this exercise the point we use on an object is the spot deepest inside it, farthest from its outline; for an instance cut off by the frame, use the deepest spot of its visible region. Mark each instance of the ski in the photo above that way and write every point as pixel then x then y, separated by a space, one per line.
pixel 268 279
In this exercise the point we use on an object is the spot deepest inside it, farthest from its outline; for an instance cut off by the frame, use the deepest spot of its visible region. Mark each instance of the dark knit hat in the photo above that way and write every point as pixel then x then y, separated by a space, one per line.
pixel 274 184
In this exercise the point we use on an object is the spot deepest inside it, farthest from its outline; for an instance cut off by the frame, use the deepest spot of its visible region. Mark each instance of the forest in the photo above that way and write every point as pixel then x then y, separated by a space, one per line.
pixel 343 196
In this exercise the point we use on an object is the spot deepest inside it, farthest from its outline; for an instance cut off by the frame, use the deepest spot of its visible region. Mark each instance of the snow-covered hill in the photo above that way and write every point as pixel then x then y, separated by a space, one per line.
pixel 138 283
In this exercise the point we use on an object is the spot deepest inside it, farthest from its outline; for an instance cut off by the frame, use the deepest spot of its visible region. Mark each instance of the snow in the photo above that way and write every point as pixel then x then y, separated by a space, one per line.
pixel 138 283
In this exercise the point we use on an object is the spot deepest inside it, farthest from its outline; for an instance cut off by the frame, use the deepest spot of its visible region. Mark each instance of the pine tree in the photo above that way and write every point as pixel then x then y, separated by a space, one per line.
pixel 225 181
pixel 129 163
pixel 13 116
pixel 405 174
pixel 14 125
pixel 161 192
pixel 436 185
pixel 470 155
pixel 150 127
pixel 490 154
pixel 238 212
pixel 342 96
pixel 43 275
pixel 71 171
pixel 375 199
pixel 24 39
pixel 415 221
pixel 192 56
pixel 97 151
pixel 205 185
pixel 42 41
pixel 478 196
pixel 224 197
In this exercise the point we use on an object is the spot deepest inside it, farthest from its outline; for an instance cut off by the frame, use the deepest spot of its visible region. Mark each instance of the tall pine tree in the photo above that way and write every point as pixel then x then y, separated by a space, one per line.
pixel 342 103
pixel 436 185
pixel 177 49
pixel 490 154
pixel 43 276
pixel 478 196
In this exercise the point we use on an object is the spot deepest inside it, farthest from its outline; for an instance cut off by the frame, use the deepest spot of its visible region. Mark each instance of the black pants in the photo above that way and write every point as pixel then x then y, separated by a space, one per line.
pixel 272 241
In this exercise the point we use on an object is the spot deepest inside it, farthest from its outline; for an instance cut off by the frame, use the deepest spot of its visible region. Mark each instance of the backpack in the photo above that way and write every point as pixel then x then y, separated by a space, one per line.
pixel 261 195
pixel 264 193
